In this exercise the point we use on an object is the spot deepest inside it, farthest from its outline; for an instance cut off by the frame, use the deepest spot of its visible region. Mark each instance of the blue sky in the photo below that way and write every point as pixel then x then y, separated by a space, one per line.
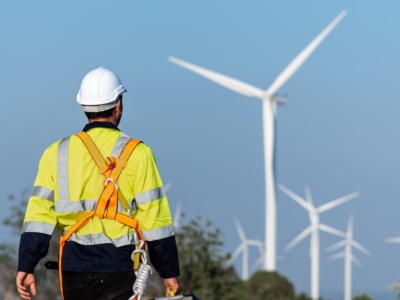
pixel 338 133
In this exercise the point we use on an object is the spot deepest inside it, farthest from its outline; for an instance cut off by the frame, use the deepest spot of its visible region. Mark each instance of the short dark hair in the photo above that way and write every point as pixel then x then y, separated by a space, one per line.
pixel 102 114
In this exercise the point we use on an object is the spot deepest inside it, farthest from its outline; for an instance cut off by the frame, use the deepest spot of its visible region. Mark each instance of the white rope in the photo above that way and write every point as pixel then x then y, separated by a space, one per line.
pixel 142 276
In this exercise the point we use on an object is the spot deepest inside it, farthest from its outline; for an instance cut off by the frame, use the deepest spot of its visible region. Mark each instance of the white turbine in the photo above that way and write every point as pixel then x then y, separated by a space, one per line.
pixel 313 230
pixel 178 209
pixel 244 249
pixel 348 256
pixel 269 100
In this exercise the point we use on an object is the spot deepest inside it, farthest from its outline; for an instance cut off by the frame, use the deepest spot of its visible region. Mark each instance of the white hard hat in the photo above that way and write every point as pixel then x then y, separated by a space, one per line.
pixel 99 90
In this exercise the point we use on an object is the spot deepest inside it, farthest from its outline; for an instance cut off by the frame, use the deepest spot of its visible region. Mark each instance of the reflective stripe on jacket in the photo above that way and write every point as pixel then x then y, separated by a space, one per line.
pixel 68 183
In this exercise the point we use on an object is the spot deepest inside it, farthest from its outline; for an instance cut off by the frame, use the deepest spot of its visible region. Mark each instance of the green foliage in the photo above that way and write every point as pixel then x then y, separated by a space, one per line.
pixel 204 269
pixel 265 285
pixel 303 296
pixel 362 297
pixel 16 217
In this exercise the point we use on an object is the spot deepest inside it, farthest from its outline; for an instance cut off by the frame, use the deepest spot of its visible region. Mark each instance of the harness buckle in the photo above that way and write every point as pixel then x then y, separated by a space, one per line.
pixel 109 179
pixel 112 163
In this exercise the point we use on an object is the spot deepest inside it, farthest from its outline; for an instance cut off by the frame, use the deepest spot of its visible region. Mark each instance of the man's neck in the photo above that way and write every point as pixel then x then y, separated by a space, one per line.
pixel 109 120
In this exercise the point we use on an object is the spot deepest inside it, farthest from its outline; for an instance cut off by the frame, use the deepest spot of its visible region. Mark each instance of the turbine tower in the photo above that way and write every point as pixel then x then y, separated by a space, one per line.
pixel 313 230
pixel 348 243
pixel 269 100
pixel 244 249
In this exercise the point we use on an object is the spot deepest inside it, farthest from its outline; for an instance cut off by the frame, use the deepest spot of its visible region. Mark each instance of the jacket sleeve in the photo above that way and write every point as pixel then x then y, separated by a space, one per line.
pixel 32 248
pixel 39 221
pixel 153 214
pixel 164 257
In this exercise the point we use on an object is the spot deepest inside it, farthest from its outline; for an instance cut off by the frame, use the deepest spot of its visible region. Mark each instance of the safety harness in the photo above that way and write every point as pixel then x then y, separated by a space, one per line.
pixel 107 205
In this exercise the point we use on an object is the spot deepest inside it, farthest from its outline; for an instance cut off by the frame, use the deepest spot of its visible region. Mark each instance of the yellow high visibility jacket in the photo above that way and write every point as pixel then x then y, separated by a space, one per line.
pixel 68 184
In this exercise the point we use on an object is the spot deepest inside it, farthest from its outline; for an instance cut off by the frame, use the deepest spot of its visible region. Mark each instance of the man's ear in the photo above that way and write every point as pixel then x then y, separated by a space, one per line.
pixel 118 107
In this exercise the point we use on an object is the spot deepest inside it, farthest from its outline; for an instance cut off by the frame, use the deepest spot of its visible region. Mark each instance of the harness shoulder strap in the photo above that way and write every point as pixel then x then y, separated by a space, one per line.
pixel 107 204
pixel 113 165
pixel 94 151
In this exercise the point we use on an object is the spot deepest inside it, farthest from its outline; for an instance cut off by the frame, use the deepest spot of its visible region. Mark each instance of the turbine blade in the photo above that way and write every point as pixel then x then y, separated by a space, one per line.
pixel 261 249
pixel 336 246
pixel 302 56
pixel 295 197
pixel 257 263
pixel 177 215
pixel 167 186
pixel 236 253
pixel 336 256
pixel 240 231
pixel 356 261
pixel 337 202
pixel 331 230
pixel 228 82
pixel 301 236
pixel 360 247
pixel 308 196
pixel 255 243
pixel 393 240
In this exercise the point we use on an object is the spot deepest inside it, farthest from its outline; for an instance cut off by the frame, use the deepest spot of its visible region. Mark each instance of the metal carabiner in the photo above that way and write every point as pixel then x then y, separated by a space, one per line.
pixel 109 179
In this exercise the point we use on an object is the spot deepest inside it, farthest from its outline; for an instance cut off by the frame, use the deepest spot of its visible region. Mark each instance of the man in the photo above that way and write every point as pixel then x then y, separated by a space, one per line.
pixel 96 257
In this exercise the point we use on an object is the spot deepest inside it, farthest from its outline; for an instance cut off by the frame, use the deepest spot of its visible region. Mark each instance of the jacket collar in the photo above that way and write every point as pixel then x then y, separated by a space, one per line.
pixel 99 124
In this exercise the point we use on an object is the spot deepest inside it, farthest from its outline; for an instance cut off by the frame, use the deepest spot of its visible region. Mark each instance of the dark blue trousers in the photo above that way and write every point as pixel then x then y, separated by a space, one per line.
pixel 98 286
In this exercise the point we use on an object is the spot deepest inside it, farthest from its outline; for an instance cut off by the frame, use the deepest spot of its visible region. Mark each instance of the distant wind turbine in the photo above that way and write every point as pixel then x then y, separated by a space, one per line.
pixel 178 209
pixel 244 249
pixel 269 100
pixel 313 230
pixel 177 215
pixel 348 243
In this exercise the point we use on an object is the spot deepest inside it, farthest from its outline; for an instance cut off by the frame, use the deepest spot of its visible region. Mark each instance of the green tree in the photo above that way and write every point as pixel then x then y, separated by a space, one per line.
pixel 264 285
pixel 362 297
pixel 204 269
pixel 303 296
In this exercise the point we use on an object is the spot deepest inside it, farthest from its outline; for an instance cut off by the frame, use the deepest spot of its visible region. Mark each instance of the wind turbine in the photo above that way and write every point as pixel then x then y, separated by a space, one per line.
pixel 178 209
pixel 313 230
pixel 269 100
pixel 177 215
pixel 348 243
pixel 243 248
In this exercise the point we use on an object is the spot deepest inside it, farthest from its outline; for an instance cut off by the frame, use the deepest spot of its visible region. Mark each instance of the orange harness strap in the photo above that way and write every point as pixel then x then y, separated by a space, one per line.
pixel 108 202
pixel 105 167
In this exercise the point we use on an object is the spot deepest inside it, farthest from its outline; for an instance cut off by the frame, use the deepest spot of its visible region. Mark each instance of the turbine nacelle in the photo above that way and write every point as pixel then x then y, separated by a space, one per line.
pixel 279 100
